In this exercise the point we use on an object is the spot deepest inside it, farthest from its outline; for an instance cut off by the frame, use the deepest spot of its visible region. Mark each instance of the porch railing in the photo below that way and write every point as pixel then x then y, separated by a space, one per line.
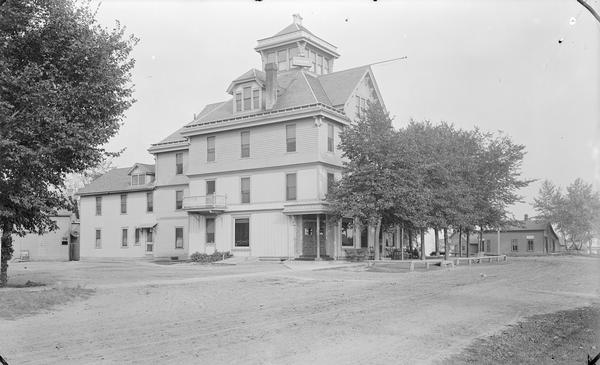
pixel 205 202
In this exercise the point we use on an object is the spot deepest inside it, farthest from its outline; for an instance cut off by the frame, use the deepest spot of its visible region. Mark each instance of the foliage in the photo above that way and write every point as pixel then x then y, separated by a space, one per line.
pixel 64 86
pixel 576 213
pixel 205 258
pixel 426 175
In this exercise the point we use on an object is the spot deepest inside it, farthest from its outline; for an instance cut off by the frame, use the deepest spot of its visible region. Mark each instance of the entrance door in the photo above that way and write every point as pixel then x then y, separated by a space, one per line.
pixel 309 238
pixel 149 241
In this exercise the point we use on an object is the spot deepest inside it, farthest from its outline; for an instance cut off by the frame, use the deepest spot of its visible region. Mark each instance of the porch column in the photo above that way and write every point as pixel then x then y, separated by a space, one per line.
pixel 318 238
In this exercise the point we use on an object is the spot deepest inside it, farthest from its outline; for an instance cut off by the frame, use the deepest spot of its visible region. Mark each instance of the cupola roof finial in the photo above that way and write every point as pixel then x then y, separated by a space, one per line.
pixel 297 19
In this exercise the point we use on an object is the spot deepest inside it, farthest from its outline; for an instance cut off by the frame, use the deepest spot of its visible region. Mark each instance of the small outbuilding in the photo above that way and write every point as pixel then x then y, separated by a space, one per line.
pixel 53 246
pixel 526 238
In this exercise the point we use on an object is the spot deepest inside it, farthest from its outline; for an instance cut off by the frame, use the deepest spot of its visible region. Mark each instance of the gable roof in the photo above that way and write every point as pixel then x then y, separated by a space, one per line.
pixel 295 88
pixel 250 75
pixel 144 167
pixel 114 181
pixel 339 85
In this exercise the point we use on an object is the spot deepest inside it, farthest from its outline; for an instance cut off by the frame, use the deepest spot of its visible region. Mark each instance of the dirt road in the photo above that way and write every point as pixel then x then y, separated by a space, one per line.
pixel 270 314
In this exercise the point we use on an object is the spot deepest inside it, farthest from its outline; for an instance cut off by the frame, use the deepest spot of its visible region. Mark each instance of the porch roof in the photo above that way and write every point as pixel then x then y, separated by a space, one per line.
pixel 312 207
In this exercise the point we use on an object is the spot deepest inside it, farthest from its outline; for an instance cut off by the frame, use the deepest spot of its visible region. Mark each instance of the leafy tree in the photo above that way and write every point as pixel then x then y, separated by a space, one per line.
pixel 576 213
pixel 65 83
pixel 496 181
pixel 364 191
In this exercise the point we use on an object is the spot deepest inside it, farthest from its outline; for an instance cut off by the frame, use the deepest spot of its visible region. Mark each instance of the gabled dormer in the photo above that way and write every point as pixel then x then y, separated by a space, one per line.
pixel 297 47
pixel 141 174
pixel 247 92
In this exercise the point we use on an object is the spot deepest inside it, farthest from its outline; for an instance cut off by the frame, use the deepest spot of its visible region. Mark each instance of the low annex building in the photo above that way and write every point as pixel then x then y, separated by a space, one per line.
pixel 527 238
pixel 53 246
pixel 249 174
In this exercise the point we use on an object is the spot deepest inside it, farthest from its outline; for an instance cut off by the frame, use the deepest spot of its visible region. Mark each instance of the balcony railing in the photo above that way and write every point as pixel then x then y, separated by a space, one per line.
pixel 205 203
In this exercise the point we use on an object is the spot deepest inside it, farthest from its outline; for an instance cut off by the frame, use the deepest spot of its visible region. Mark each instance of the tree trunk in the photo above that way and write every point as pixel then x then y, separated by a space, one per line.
pixel 468 243
pixel 437 241
pixel 6 254
pixel 422 243
pixel 446 244
pixel 377 240
pixel 460 242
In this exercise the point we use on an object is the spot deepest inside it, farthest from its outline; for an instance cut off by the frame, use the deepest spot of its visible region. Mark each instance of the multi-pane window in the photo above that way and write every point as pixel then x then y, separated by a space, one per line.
pixel 330 137
pixel 242 232
pixel 137 236
pixel 247 93
pixel 290 187
pixel 515 245
pixel 179 199
pixel 529 245
pixel 238 101
pixel 149 202
pixel 210 230
pixel 210 187
pixel 245 189
pixel 210 148
pixel 179 163
pixel 255 99
pixel 347 232
pixel 330 182
pixel 290 137
pixel 488 246
pixel 98 205
pixel 282 61
pixel 138 179
pixel 179 237
pixel 149 235
pixel 98 238
pixel 245 137
pixel 313 60
pixel 361 105
pixel 124 237
pixel 123 203
pixel 247 99
pixel 327 66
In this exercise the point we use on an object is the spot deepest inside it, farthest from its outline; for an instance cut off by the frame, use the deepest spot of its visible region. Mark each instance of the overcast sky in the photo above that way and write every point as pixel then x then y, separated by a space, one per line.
pixel 497 65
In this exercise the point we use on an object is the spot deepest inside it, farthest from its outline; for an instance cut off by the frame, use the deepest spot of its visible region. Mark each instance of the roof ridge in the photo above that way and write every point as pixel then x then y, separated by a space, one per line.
pixel 348 69
pixel 309 87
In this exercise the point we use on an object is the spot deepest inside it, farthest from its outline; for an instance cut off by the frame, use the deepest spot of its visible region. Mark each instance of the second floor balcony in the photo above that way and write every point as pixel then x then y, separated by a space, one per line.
pixel 205 204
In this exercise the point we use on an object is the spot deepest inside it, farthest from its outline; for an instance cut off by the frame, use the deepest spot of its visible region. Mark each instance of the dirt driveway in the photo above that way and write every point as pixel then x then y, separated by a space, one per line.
pixel 267 313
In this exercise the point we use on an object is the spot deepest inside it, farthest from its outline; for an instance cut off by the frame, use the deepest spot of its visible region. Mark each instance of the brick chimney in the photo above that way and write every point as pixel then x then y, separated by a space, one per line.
pixel 271 85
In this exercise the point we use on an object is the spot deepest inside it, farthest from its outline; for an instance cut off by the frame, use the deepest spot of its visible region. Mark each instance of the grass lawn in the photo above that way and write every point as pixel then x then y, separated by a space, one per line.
pixel 29 299
pixel 560 337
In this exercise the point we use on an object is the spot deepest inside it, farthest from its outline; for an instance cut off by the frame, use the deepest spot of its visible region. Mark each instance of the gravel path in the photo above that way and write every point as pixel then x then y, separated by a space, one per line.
pixel 270 314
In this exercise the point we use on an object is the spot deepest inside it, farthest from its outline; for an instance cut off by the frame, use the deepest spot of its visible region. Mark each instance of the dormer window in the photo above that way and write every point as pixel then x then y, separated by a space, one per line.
pixel 138 179
pixel 141 179
pixel 247 99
